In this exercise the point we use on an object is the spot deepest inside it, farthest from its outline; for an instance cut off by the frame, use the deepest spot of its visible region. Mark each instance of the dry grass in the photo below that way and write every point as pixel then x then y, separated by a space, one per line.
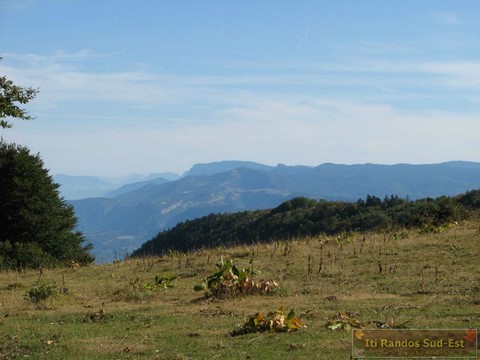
pixel 430 280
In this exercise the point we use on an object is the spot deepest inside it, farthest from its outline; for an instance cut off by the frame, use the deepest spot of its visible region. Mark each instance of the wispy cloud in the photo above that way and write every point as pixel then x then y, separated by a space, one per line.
pixel 178 98
pixel 447 18
pixel 62 80
pixel 460 74
pixel 60 56
pixel 306 34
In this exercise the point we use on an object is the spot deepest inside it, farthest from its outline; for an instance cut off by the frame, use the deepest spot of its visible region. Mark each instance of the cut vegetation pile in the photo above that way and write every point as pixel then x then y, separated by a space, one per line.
pixel 230 281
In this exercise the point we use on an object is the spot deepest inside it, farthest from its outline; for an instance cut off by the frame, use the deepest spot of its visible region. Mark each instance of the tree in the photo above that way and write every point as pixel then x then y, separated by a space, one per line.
pixel 36 225
pixel 11 94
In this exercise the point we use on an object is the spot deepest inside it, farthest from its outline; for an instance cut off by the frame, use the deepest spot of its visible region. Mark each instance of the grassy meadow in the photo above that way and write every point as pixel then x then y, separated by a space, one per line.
pixel 429 281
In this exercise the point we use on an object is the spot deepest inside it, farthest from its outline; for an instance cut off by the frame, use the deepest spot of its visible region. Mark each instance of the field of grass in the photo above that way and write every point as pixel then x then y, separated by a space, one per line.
pixel 423 281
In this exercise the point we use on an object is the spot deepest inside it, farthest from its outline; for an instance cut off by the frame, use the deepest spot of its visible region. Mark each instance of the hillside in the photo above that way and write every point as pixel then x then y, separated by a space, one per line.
pixel 413 280
pixel 302 217
pixel 130 218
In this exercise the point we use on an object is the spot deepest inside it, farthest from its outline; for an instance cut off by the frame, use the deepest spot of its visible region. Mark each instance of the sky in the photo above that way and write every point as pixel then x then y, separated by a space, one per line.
pixel 159 85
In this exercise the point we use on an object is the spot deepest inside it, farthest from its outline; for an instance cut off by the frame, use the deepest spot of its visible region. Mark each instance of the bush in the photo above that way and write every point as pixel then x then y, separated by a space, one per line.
pixel 42 292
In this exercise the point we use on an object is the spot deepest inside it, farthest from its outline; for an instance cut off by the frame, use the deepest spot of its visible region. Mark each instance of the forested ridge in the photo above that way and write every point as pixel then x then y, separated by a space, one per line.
pixel 308 217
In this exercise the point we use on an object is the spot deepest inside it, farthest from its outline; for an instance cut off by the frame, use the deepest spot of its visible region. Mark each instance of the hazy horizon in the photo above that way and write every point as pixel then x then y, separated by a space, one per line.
pixel 181 173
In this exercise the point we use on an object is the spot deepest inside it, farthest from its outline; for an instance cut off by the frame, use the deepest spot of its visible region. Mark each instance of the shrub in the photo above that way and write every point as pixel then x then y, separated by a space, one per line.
pixel 42 292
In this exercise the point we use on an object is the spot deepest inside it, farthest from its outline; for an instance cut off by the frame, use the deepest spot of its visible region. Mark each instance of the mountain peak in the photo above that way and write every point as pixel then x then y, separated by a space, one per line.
pixel 222 166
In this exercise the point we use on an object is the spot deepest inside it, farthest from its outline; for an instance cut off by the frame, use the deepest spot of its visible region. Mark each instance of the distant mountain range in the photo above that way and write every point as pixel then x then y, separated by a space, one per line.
pixel 126 217
pixel 81 187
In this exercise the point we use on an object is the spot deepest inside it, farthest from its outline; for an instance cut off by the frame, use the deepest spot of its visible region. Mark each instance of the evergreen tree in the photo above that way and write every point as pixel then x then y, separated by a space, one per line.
pixel 36 225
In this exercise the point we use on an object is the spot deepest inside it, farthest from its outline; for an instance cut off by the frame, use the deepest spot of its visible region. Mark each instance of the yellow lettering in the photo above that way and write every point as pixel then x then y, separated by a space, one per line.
pixel 429 343
pixel 370 343
pixel 452 343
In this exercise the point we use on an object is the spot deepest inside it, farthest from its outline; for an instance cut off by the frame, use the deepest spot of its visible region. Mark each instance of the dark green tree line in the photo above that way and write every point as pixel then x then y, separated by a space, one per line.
pixel 306 217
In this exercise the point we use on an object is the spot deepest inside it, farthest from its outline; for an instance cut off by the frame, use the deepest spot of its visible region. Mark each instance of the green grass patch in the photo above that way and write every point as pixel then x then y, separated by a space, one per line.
pixel 424 281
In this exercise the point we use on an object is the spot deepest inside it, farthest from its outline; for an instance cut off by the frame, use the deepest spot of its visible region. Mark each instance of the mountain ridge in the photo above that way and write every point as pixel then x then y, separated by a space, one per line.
pixel 133 217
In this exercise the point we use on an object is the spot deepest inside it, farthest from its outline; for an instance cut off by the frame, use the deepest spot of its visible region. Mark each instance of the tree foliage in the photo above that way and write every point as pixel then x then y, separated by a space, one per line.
pixel 306 217
pixel 36 225
pixel 10 96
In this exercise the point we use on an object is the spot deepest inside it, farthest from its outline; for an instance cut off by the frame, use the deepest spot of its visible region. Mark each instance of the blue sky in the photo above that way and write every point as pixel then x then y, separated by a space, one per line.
pixel 152 86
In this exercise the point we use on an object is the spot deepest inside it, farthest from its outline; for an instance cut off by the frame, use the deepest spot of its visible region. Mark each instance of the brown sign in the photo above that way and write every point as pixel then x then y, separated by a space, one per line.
pixel 389 343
